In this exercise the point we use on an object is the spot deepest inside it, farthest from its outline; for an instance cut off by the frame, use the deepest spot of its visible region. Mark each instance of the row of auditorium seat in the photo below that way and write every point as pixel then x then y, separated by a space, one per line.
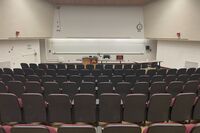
pixel 97 72
pixel 104 66
pixel 110 108
pixel 103 78
pixel 89 66
pixel 122 88
pixel 111 128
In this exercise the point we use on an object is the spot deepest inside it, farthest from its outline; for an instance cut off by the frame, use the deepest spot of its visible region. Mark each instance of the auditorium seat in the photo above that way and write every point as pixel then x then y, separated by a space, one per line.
pixel 28 71
pixel 129 72
pixel 127 66
pixel 61 66
pixel 75 78
pixel 165 128
pixel 85 108
pixel 33 66
pixel 18 71
pixel 96 72
pixel 62 72
pixel 88 78
pixel 32 129
pixel 118 72
pixel 76 129
pixel 110 108
pixel 6 78
pixel 123 88
pixel 108 72
pixel 16 87
pixel 118 66
pixel 59 108
pixel 191 71
pixel 51 72
pixel 197 71
pixel 100 67
pixel 8 71
pixel 52 66
pixel 195 77
pixel 102 78
pixel 34 108
pixel 158 87
pixel 172 71
pixel 20 78
pixel 108 66
pixel 84 72
pixel 104 87
pixel 50 88
pixel 60 79
pixel 70 88
pixel 79 66
pixel 90 67
pixel 144 78
pixel 191 87
pixel 141 87
pixel 144 65
pixel 157 78
pixel 135 108
pixel 169 78
pixel 47 78
pixel 182 107
pixel 73 72
pixel 24 65
pixel 175 87
pixel 119 128
pixel 88 87
pixel 151 72
pixel 131 79
pixel 3 88
pixel 10 108
pixel 116 79
pixel 33 78
pixel 181 71
pixel 140 72
pixel 183 77
pixel 159 107
pixel 40 72
pixel 33 87
pixel 42 66
pixel 136 66
pixel 162 72
pixel 70 66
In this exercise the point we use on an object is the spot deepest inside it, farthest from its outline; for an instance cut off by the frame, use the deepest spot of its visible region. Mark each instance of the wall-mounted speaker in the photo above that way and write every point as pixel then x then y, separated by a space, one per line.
pixel 148 48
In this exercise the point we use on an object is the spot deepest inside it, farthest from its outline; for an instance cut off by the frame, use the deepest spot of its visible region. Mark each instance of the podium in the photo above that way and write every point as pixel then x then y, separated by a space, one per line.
pixel 90 60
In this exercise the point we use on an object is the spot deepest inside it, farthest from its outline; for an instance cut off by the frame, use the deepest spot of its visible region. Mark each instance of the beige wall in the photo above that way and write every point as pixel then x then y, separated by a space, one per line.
pixel 99 21
pixel 164 18
pixel 14 52
pixel 176 54
pixel 33 18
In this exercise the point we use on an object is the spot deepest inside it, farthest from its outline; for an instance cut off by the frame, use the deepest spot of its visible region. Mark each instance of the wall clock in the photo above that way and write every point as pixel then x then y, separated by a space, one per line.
pixel 139 27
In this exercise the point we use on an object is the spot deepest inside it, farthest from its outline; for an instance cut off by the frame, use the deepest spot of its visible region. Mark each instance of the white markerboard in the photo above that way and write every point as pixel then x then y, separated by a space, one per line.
pixel 109 46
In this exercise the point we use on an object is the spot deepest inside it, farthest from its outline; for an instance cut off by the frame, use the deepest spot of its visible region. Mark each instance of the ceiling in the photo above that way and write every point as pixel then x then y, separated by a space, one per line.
pixel 100 2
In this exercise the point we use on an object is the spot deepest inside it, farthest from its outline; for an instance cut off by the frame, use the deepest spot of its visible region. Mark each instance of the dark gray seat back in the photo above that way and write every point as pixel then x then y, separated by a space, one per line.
pixel 135 108
pixel 182 107
pixel 85 108
pixel 34 109
pixel 59 108
pixel 159 107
